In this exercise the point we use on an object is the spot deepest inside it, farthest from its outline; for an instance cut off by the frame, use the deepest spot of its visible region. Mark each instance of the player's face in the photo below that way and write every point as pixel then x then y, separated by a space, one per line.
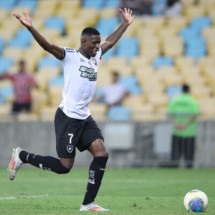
pixel 92 45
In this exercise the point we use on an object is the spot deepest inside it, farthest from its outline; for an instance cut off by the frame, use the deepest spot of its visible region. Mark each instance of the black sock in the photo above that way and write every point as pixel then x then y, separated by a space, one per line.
pixel 96 173
pixel 43 162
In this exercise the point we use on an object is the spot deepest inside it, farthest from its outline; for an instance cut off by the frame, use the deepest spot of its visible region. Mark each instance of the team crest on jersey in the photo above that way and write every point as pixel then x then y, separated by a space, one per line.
pixel 88 73
pixel 94 61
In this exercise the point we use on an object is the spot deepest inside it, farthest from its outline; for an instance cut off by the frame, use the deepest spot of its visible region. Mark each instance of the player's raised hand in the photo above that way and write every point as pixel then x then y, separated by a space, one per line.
pixel 127 16
pixel 24 19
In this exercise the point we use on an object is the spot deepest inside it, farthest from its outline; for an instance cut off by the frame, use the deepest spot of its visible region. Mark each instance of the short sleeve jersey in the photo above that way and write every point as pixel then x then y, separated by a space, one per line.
pixel 80 75
pixel 182 107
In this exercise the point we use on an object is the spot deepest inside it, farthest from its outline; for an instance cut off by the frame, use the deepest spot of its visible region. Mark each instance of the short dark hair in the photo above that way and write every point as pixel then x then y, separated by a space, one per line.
pixel 185 88
pixel 90 31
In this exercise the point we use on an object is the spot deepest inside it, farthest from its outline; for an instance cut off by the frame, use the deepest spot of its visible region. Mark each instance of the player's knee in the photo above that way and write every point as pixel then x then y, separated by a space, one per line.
pixel 64 170
pixel 105 154
pixel 66 166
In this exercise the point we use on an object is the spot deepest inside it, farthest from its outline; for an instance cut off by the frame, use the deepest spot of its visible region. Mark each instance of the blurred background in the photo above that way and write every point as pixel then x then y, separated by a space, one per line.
pixel 169 43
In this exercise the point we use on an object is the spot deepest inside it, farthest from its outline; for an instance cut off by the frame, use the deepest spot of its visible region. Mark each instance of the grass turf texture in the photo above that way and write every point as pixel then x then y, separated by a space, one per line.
pixel 125 191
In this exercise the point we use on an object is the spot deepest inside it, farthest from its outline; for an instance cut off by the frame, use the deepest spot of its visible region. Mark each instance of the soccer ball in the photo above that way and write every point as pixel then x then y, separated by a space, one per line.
pixel 195 201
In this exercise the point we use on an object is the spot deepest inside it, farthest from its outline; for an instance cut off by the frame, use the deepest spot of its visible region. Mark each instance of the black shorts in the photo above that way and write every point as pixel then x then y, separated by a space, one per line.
pixel 19 107
pixel 71 133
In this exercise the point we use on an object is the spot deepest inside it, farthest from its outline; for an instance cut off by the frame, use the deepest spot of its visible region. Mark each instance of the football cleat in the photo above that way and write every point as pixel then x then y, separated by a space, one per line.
pixel 92 207
pixel 14 164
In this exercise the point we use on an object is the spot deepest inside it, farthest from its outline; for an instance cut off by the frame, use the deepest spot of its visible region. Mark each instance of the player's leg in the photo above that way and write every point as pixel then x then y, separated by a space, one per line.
pixel 65 150
pixel 96 172
pixel 19 157
pixel 189 151
pixel 92 140
pixel 176 151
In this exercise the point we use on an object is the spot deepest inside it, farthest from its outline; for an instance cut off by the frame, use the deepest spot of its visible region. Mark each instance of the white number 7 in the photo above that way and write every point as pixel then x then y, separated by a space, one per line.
pixel 70 137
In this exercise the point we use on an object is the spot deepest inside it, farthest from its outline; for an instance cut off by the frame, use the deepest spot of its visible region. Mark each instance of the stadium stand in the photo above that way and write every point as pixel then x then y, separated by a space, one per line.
pixel 155 55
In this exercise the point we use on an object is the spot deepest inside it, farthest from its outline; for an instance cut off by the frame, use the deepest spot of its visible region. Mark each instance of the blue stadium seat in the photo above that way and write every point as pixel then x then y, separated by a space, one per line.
pixel 109 54
pixel 98 4
pixel 112 3
pixel 48 61
pixel 1 45
pixel 31 4
pixel 196 53
pixel 158 7
pixel 119 113
pixel 131 83
pixel 56 23
pixel 162 61
pixel 5 93
pixel 173 91
pixel 57 81
pixel 22 39
pixel 8 4
pixel 188 33
pixel 107 25
pixel 5 63
pixel 200 23
pixel 127 47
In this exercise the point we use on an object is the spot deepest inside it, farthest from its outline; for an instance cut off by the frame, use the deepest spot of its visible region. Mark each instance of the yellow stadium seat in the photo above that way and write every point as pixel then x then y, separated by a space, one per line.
pixel 90 15
pixel 177 23
pixel 169 43
pixel 15 53
pixel 55 95
pixel 47 113
pixel 184 62
pixel 73 5
pixel 207 109
pixel 50 33
pixel 8 32
pixel 134 101
pixel 40 100
pixel 155 23
pixel 4 13
pixel 115 63
pixel 26 117
pixel 107 13
pixel 5 112
pixel 194 11
pixel 64 42
pixel 158 100
pixel 98 111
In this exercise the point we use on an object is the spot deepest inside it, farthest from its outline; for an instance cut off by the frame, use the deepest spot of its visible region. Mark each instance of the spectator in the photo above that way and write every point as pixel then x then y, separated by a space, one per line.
pixel 182 113
pixel 139 7
pixel 114 93
pixel 173 8
pixel 23 82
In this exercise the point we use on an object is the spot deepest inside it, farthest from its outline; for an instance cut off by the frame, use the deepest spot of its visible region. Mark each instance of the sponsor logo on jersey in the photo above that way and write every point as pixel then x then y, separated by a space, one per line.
pixel 88 73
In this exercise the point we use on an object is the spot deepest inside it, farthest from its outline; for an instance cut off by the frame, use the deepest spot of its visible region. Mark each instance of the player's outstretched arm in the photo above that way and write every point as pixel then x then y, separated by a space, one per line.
pixel 111 40
pixel 51 48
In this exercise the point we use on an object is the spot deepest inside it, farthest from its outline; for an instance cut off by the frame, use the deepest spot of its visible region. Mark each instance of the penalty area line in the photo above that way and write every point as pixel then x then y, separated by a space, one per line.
pixel 23 197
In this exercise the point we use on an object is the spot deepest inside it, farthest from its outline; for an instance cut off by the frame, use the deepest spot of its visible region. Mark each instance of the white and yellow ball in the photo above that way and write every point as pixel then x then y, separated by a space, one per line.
pixel 195 201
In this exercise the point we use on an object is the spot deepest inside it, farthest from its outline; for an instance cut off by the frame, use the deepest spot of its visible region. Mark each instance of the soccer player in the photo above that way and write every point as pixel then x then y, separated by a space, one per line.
pixel 74 125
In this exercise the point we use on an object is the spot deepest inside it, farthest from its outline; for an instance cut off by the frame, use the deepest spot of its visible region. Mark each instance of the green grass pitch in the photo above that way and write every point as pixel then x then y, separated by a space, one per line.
pixel 140 191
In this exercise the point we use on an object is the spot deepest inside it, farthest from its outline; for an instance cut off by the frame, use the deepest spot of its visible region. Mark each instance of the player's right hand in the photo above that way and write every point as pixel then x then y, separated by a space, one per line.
pixel 24 19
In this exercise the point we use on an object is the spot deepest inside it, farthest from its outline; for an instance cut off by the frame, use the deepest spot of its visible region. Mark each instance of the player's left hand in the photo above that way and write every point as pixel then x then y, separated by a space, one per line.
pixel 127 16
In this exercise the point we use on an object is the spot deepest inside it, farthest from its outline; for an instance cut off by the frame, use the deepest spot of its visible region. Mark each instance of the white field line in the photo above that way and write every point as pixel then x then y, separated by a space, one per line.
pixel 22 197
